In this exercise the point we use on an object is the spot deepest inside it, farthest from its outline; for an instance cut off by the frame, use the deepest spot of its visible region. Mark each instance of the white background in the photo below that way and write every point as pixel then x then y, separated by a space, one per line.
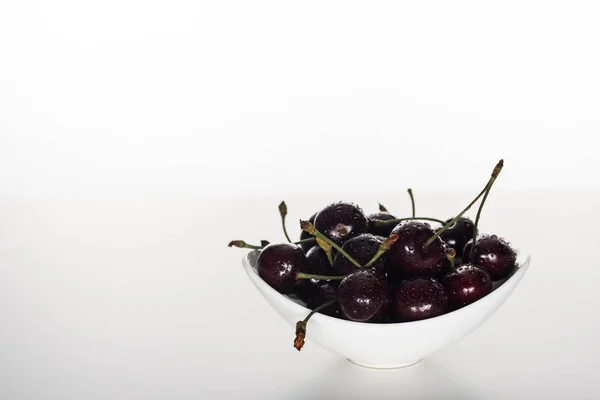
pixel 136 138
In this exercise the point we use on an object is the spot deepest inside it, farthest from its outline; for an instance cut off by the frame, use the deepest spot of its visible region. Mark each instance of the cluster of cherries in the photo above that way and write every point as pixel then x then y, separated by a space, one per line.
pixel 381 269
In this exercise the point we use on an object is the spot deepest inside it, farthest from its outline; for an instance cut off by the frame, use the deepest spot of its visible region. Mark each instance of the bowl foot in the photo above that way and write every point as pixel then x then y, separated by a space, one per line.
pixel 394 366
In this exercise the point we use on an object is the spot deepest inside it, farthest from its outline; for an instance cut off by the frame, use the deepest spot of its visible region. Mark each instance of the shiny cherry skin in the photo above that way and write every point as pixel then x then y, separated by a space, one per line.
pixel 378 229
pixel 407 258
pixel 326 292
pixel 458 234
pixel 318 263
pixel 279 263
pixel 419 298
pixel 492 254
pixel 306 289
pixel 364 297
pixel 341 221
pixel 466 284
pixel 306 235
pixel 362 248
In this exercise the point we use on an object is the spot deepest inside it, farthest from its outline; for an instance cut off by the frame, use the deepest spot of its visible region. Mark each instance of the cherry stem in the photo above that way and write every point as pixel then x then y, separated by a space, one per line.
pixel 450 254
pixel 264 243
pixel 302 275
pixel 329 257
pixel 309 240
pixel 283 213
pixel 379 222
pixel 412 200
pixel 301 325
pixel 244 245
pixel 310 228
pixel 385 246
pixel 495 173
pixel 476 227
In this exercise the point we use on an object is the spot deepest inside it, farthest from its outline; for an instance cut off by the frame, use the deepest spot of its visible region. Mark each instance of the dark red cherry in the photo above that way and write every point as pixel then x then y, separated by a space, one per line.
pixel 326 292
pixel 306 289
pixel 466 284
pixel 361 248
pixel 279 263
pixel 379 229
pixel 341 221
pixel 458 234
pixel 492 254
pixel 364 297
pixel 419 298
pixel 306 235
pixel 407 258
pixel 318 263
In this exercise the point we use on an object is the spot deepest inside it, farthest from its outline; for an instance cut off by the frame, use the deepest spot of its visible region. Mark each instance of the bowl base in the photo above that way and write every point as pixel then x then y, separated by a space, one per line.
pixel 395 366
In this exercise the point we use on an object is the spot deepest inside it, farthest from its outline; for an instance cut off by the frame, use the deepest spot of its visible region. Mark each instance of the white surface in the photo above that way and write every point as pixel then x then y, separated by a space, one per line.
pixel 137 138
pixel 141 298
pixel 385 346
pixel 131 96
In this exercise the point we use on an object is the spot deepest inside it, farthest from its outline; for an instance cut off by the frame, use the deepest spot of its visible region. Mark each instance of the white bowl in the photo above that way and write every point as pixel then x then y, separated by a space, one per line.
pixel 390 345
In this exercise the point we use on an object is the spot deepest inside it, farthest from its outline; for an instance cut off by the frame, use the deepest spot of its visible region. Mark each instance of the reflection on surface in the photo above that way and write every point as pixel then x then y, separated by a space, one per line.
pixel 425 380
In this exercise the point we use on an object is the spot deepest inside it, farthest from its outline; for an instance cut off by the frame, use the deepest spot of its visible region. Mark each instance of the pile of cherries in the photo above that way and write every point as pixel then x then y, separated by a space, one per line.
pixel 381 269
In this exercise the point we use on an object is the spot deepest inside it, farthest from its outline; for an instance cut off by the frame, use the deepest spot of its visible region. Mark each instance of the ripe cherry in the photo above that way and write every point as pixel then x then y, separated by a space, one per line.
pixel 419 298
pixel 361 248
pixel 466 284
pixel 364 297
pixel 492 254
pixel 409 258
pixel 279 263
pixel 379 229
pixel 458 234
pixel 341 221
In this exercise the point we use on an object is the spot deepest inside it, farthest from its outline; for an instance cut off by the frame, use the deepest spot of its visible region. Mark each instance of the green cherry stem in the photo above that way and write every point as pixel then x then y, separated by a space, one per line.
pixel 412 201
pixel 301 325
pixel 302 275
pixel 283 213
pixel 476 227
pixel 379 222
pixel 263 244
pixel 244 245
pixel 310 228
pixel 495 174
pixel 309 240
pixel 385 246
pixel 329 257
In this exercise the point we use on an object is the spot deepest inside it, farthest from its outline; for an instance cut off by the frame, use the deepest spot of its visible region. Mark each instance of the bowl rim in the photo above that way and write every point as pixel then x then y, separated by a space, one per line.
pixel 518 273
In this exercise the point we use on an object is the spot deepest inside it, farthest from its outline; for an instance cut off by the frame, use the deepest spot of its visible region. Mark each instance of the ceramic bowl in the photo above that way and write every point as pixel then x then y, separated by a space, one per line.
pixel 391 345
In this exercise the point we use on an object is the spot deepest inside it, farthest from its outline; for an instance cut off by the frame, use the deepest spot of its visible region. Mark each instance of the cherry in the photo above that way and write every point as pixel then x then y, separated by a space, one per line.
pixel 307 289
pixel 305 235
pixel 279 263
pixel 466 284
pixel 408 257
pixel 326 292
pixel 458 234
pixel 361 248
pixel 419 298
pixel 318 262
pixel 341 221
pixel 364 297
pixel 378 229
pixel 492 254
